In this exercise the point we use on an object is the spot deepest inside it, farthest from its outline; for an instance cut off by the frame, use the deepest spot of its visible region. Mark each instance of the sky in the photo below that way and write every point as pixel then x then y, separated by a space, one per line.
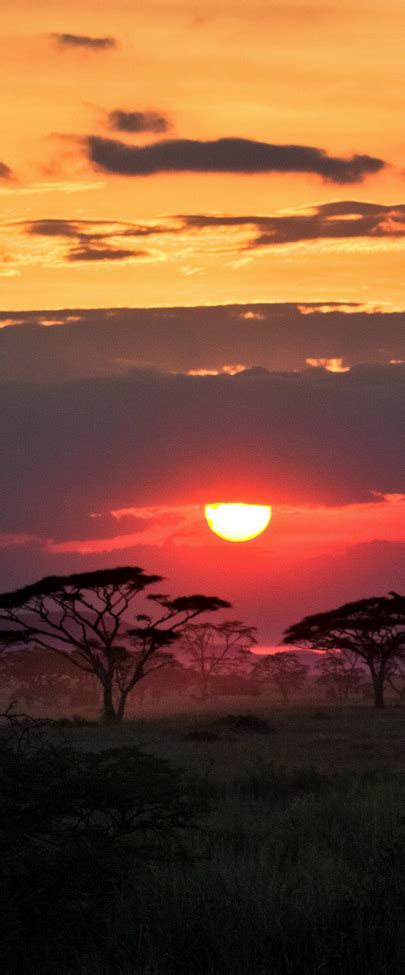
pixel 202 247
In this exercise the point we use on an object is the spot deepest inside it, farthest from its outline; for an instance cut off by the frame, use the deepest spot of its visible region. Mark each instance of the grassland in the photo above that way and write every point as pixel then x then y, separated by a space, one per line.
pixel 299 868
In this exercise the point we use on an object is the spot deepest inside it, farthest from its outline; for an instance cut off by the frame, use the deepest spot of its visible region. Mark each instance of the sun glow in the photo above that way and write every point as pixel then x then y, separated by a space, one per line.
pixel 237 522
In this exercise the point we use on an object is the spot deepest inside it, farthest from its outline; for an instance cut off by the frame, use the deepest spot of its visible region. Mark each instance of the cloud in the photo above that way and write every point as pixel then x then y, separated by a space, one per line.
pixel 91 230
pixel 344 219
pixel 339 221
pixel 226 156
pixel 84 253
pixel 314 531
pixel 55 186
pixel 231 370
pixel 331 365
pixel 145 526
pixel 84 41
pixel 54 228
pixel 347 307
pixel 92 240
pixel 5 172
pixel 113 342
pixel 5 322
pixel 150 121
pixel 308 438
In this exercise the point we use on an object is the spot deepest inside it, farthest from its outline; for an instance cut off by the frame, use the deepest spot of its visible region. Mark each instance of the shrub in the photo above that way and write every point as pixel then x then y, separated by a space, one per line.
pixel 74 826
pixel 245 723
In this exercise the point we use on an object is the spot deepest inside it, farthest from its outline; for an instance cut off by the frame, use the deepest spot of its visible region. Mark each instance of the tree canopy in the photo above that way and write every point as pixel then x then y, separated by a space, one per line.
pixel 213 650
pixel 284 670
pixel 373 629
pixel 88 619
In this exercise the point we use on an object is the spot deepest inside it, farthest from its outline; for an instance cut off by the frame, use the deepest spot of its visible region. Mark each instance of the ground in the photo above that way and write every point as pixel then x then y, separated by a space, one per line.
pixel 299 868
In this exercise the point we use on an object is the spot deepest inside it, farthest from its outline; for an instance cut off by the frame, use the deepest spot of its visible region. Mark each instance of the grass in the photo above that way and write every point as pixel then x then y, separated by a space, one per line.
pixel 300 868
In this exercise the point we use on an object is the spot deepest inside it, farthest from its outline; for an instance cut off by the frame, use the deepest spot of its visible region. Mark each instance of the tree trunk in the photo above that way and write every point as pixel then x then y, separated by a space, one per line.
pixel 110 715
pixel 378 686
pixel 121 708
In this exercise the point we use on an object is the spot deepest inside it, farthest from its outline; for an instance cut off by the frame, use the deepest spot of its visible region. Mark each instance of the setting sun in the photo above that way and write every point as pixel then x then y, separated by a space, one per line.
pixel 237 522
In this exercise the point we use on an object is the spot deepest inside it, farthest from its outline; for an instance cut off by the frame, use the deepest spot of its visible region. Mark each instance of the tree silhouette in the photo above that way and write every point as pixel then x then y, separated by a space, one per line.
pixel 9 641
pixel 396 678
pixel 340 673
pixel 373 629
pixel 214 650
pixel 284 670
pixel 84 618
pixel 45 683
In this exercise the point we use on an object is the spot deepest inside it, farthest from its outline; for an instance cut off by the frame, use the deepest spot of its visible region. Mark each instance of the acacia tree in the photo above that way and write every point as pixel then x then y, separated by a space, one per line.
pixel 396 679
pixel 9 641
pixel 284 670
pixel 340 673
pixel 87 619
pixel 372 629
pixel 215 650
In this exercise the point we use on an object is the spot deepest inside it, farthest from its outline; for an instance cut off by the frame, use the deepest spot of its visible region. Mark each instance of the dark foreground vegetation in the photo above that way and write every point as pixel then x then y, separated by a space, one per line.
pixel 278 850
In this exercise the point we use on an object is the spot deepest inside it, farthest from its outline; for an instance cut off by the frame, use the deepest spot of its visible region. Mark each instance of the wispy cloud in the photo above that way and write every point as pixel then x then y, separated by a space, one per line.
pixel 340 220
pixel 84 41
pixel 38 189
pixel 340 223
pixel 311 530
pixel 189 240
pixel 231 370
pixel 92 240
pixel 335 364
pixel 150 121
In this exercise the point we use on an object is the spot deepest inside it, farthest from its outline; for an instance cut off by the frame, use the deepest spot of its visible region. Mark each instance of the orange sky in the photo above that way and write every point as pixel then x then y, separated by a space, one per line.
pixel 319 74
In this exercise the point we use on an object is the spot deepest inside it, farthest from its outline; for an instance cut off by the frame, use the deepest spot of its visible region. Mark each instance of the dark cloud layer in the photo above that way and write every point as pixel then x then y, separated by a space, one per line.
pixel 84 41
pixel 137 121
pixel 78 447
pixel 301 438
pixel 226 156
pixel 333 221
pixel 105 342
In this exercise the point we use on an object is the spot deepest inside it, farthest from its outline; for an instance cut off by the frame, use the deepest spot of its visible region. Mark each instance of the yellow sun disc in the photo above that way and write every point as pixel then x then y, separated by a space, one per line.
pixel 237 522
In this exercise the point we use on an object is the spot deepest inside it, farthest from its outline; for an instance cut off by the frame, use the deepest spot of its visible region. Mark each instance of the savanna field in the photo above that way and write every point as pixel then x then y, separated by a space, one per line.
pixel 279 849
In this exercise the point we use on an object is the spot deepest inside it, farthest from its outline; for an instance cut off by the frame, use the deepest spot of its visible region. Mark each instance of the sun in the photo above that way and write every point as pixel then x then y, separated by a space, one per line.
pixel 237 522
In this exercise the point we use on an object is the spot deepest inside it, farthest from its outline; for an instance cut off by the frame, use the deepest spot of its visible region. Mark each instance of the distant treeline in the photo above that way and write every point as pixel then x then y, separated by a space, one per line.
pixel 101 641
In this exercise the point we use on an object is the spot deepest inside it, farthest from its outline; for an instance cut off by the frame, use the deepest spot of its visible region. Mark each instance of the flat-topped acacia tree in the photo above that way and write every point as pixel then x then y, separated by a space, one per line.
pixel 284 670
pixel 215 651
pixel 89 619
pixel 372 629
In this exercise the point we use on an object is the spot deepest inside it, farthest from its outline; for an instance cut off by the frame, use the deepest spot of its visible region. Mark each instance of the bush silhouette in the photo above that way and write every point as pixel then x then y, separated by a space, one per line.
pixel 74 825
